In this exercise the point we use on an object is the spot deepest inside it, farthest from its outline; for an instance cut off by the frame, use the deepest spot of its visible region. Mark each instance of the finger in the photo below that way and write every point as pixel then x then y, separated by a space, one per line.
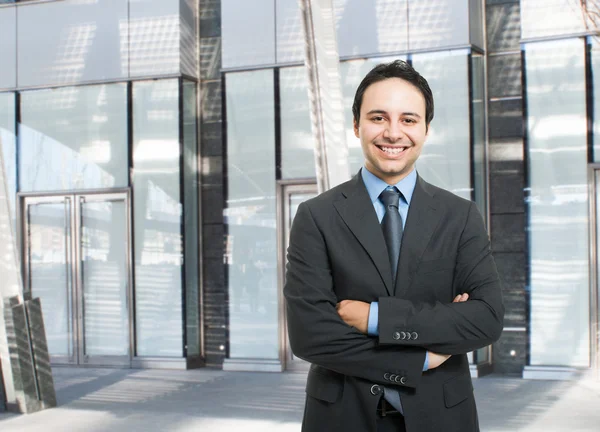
pixel 465 297
pixel 456 299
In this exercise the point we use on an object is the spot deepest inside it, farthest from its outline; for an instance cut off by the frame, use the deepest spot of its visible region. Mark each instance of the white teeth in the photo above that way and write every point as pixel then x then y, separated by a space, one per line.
pixel 393 150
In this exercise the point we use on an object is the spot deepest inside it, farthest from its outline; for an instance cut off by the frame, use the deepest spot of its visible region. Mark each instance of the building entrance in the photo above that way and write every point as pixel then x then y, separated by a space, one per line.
pixel 76 257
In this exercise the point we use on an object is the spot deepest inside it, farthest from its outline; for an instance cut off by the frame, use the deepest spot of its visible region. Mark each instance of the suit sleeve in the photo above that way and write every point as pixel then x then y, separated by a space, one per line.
pixel 317 334
pixel 455 328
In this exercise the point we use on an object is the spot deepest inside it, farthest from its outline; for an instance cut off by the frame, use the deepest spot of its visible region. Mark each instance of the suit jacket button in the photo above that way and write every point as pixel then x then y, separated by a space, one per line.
pixel 386 376
pixel 392 377
pixel 403 335
pixel 376 390
pixel 396 336
pixel 403 380
pixel 408 336
pixel 414 335
pixel 398 379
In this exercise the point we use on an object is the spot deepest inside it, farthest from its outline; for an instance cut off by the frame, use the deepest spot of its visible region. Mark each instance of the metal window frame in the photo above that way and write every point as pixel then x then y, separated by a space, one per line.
pixel 285 189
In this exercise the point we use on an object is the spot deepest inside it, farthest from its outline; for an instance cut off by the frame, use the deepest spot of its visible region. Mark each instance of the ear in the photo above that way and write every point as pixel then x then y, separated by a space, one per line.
pixel 355 128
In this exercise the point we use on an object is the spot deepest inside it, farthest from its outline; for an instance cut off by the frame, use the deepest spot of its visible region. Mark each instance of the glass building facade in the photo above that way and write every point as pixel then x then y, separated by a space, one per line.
pixel 156 151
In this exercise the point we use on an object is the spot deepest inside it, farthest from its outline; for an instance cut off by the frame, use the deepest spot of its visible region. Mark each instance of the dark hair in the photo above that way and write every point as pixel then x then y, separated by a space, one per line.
pixel 396 69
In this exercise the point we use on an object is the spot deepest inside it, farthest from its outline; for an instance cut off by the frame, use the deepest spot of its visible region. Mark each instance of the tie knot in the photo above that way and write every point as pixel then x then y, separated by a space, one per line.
pixel 390 197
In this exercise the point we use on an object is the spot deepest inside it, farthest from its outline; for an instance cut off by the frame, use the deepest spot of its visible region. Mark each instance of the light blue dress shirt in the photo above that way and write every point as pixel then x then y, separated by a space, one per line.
pixel 374 187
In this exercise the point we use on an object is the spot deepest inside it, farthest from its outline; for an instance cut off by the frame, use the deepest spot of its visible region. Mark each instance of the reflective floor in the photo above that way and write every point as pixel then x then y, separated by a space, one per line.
pixel 95 400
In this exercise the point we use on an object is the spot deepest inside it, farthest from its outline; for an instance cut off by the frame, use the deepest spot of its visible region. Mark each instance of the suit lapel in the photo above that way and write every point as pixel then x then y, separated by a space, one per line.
pixel 422 220
pixel 356 209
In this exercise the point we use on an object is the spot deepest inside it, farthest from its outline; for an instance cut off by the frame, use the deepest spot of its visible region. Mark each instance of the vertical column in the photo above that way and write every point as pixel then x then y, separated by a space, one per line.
pixel 507 178
pixel 325 93
pixel 212 143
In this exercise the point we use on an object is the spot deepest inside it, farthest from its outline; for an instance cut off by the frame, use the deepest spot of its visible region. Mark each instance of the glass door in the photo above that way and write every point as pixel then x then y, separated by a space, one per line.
pixel 103 279
pixel 77 261
pixel 290 197
pixel 48 248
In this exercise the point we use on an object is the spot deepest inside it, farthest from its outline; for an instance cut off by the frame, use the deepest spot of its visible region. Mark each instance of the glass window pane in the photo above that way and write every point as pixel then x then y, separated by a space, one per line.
pixel 352 73
pixel 66 42
pixel 8 141
pixel 73 138
pixel 49 278
pixel 446 157
pixel 290 36
pixel 157 218
pixel 190 216
pixel 8 47
pixel 297 143
pixel 371 27
pixel 248 32
pixel 105 279
pixel 438 23
pixel 251 215
pixel 541 18
pixel 558 206
pixel 160 38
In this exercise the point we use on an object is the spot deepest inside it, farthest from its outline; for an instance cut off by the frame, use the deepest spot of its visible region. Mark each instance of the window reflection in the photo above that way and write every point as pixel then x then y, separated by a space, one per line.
pixel 64 42
pixel 446 157
pixel 73 138
pixel 297 145
pixel 558 208
pixel 251 215
pixel 365 28
pixel 8 144
pixel 248 30
pixel 157 216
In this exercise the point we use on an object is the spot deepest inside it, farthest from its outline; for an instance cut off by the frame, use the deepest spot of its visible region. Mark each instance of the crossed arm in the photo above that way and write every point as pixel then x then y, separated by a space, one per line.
pixel 356 313
pixel 320 334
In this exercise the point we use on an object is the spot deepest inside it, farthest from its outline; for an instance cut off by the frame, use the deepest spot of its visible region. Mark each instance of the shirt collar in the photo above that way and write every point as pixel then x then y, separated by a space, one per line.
pixel 375 185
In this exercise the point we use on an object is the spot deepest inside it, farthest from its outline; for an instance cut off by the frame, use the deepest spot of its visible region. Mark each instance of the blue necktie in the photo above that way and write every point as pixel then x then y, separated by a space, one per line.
pixel 391 224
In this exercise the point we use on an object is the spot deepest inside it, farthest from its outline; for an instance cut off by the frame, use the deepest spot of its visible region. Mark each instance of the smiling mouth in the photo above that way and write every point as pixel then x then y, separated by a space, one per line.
pixel 392 151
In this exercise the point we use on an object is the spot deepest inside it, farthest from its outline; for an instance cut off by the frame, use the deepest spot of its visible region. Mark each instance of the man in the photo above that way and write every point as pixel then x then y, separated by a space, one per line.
pixel 390 280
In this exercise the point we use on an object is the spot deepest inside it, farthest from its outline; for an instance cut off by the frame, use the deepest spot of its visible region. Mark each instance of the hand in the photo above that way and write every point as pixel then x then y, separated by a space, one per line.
pixel 461 298
pixel 354 313
pixel 436 360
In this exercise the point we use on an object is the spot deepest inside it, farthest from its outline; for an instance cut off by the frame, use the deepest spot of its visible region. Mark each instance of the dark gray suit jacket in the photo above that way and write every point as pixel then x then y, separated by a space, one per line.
pixel 337 252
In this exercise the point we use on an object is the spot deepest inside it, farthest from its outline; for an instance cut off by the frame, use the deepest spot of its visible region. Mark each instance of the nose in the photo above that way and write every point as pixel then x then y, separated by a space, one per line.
pixel 393 132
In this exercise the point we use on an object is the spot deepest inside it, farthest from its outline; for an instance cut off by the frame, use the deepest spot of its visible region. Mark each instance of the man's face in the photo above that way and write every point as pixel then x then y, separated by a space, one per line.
pixel 392 128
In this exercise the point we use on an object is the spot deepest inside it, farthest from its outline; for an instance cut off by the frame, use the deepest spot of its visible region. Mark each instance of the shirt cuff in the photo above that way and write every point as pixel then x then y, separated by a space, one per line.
pixel 373 323
pixel 426 365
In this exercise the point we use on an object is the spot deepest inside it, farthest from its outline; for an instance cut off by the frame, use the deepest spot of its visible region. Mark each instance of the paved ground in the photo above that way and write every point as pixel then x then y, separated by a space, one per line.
pixel 96 400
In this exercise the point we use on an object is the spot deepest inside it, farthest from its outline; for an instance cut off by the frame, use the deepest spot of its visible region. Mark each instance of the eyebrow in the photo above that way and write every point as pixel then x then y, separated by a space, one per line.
pixel 375 111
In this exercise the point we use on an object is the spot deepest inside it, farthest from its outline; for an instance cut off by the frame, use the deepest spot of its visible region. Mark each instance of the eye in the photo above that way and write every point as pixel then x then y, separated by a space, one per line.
pixel 377 118
pixel 409 120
